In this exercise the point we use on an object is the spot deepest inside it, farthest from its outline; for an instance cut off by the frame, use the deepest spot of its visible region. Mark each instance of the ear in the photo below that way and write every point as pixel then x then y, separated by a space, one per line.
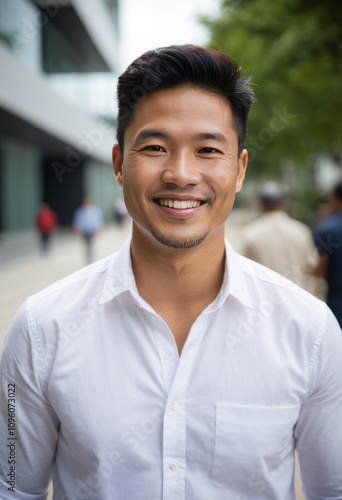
pixel 242 167
pixel 117 162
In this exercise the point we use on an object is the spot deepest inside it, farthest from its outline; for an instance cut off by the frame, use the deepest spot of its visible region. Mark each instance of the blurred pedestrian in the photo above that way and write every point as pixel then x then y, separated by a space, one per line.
pixel 328 239
pixel 278 241
pixel 46 222
pixel 88 220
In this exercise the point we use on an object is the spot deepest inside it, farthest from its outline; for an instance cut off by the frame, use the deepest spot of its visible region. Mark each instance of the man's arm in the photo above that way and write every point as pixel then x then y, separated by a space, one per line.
pixel 28 425
pixel 318 432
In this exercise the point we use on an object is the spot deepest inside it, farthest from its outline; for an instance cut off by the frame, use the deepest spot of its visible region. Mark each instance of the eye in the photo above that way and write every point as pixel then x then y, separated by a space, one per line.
pixel 208 150
pixel 158 149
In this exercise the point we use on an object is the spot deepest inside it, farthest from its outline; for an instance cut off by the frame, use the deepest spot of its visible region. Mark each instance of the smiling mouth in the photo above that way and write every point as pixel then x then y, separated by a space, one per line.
pixel 179 204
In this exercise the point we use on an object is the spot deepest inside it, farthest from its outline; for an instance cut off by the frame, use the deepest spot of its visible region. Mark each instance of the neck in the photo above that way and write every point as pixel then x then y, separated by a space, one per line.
pixel 178 283
pixel 202 264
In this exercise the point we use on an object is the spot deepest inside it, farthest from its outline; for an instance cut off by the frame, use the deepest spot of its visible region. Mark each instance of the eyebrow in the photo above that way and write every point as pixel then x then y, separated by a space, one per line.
pixel 158 134
pixel 150 133
pixel 214 136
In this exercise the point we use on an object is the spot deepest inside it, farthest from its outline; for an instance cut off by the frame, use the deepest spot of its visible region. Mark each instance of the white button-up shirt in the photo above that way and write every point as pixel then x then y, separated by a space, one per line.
pixel 103 401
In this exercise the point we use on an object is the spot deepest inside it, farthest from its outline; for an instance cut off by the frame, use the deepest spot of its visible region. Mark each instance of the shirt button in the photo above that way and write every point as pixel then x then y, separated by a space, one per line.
pixel 173 465
pixel 167 353
pixel 174 405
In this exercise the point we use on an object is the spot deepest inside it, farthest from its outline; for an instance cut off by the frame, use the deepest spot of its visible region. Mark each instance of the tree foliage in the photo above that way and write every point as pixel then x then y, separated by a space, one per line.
pixel 292 49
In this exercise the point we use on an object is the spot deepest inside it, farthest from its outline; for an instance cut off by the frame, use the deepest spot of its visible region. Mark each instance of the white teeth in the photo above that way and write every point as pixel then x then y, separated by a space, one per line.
pixel 180 205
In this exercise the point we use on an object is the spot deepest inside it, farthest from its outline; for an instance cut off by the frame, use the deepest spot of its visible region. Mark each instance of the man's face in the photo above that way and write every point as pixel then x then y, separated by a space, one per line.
pixel 180 168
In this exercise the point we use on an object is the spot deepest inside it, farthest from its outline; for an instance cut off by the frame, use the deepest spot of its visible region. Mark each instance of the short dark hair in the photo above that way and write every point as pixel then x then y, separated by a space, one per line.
pixel 188 65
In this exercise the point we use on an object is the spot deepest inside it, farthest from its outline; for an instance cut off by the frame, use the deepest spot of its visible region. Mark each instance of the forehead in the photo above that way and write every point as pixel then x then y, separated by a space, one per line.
pixel 184 109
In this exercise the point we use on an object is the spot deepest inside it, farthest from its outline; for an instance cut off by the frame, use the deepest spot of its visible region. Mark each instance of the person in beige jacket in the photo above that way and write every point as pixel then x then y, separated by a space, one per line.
pixel 280 242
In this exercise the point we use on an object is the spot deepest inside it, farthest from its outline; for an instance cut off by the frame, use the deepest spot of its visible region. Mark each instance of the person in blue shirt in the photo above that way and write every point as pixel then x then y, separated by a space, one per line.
pixel 87 221
pixel 328 239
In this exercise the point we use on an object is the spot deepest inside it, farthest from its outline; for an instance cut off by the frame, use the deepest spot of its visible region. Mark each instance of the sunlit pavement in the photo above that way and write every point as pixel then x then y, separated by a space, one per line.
pixel 24 270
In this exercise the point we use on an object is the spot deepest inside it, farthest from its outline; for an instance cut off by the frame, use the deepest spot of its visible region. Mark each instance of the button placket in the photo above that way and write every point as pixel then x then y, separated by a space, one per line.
pixel 174 405
pixel 174 445
pixel 173 465
pixel 167 353
pixel 167 350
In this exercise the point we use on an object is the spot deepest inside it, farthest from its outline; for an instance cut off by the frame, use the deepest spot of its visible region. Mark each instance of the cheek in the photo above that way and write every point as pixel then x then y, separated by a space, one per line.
pixel 140 172
pixel 226 182
pixel 226 188
pixel 130 175
pixel 135 186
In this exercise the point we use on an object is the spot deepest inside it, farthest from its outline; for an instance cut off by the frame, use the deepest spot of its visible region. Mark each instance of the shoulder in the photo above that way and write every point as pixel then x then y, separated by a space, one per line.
pixel 295 319
pixel 254 230
pixel 329 224
pixel 266 285
pixel 265 277
pixel 299 225
pixel 43 317
pixel 71 290
pixel 274 311
pixel 104 278
pixel 328 234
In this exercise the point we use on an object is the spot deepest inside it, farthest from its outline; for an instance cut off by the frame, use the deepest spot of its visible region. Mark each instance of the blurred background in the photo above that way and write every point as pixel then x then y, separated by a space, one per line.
pixel 57 98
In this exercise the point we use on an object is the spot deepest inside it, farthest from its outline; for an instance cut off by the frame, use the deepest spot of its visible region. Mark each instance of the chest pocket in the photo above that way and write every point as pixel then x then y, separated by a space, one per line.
pixel 253 446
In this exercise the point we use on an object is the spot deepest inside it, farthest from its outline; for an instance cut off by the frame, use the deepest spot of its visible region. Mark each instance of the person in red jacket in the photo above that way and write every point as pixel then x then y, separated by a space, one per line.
pixel 46 223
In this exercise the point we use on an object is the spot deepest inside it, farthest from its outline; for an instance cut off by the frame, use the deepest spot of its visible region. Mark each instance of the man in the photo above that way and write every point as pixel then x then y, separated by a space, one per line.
pixel 278 241
pixel 87 221
pixel 328 238
pixel 175 369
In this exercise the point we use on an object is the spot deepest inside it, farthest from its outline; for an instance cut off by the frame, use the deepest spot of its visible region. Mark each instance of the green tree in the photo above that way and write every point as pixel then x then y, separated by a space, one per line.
pixel 292 49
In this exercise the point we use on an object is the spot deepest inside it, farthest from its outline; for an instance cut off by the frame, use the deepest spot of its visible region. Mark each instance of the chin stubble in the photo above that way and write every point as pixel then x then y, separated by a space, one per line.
pixel 179 243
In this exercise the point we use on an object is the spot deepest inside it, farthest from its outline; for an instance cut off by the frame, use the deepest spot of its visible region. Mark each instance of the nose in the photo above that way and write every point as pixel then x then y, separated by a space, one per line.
pixel 181 169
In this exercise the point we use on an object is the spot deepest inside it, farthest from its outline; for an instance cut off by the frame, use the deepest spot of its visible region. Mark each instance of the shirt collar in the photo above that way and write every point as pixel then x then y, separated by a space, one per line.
pixel 119 273
pixel 234 283
pixel 120 278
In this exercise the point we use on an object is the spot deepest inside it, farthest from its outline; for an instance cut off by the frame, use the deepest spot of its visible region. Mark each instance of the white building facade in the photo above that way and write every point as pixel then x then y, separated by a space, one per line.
pixel 58 62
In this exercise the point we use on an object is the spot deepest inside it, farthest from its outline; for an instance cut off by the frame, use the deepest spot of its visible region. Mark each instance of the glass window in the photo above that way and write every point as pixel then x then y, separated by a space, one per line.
pixel 112 7
pixel 20 29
